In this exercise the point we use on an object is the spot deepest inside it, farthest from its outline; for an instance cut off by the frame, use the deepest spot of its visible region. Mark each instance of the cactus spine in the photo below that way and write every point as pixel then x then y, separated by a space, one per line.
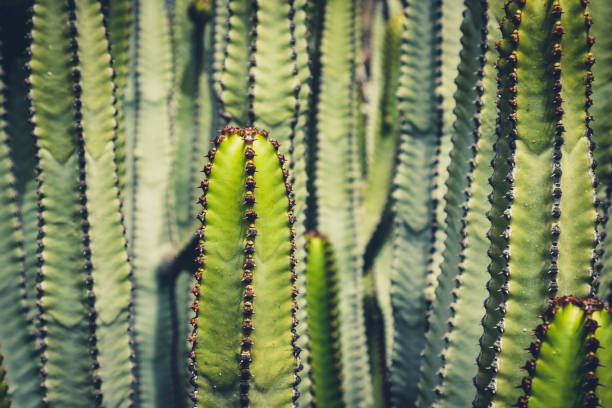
pixel 542 240
pixel 249 229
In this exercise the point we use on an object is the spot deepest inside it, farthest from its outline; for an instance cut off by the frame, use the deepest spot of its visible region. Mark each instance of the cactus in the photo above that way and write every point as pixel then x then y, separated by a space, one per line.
pixel 542 241
pixel 413 201
pixel 562 370
pixel 250 359
pixel 83 290
pixel 322 289
pixel 447 309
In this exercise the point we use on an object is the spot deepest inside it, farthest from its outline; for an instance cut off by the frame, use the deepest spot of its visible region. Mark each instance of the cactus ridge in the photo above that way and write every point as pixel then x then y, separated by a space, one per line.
pixel 414 223
pixel 323 327
pixel 249 161
pixel 529 264
pixel 603 355
pixel 85 225
pixel 17 331
pixel 441 313
pixel 562 370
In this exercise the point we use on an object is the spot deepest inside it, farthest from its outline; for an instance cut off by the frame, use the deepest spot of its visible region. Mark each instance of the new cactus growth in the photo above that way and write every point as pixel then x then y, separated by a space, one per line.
pixel 561 372
pixel 542 239
pixel 322 290
pixel 244 328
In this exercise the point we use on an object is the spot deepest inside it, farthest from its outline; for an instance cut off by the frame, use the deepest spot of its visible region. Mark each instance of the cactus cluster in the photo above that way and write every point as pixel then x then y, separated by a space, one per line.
pixel 451 158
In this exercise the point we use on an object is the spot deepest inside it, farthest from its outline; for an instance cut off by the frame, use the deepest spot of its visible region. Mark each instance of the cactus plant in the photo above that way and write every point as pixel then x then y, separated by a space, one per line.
pixel 542 241
pixel 562 370
pixel 322 289
pixel 250 359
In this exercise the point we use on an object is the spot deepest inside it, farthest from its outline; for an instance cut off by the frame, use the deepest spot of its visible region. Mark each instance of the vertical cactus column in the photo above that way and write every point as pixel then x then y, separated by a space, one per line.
pixel 413 186
pixel 603 355
pixel 543 240
pixel 561 372
pixel 83 287
pixel 336 189
pixel 149 198
pixel 322 289
pixel 244 351
pixel 17 331
pixel 454 386
pixel 462 163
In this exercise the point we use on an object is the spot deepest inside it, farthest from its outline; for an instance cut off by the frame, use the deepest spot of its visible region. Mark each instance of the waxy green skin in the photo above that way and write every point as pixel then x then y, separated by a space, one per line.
pixel 17 332
pixel 604 354
pixel 462 139
pixel 322 289
pixel 413 205
pixel 83 285
pixel 223 283
pixel 561 368
pixel 524 248
pixel 336 170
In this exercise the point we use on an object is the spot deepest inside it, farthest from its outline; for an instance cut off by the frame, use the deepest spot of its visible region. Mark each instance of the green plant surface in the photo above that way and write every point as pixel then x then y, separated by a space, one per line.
pixel 13 20
pixel 322 289
pixel 548 244
pixel 149 198
pixel 413 204
pixel 245 229
pixel 602 129
pixel 559 374
pixel 336 192
pixel 68 379
pixel 234 76
pixel 462 137
pixel 382 133
pixel 117 22
pixel 110 270
pixel 449 17
pixel 17 330
pixel 460 351
pixel 604 355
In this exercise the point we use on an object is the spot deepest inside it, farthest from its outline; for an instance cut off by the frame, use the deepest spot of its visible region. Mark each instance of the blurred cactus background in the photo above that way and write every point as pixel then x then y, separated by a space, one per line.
pixel 305 203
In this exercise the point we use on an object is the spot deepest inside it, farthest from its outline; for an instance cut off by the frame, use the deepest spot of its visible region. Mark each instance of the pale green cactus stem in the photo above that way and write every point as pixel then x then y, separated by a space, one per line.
pixel 543 240
pixel 244 328
pixel 84 288
pixel 441 317
pixel 413 206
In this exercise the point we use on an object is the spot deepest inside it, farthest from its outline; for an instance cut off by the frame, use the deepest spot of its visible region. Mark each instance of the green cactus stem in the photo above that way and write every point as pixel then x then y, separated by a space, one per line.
pixel 244 351
pixel 84 287
pixel 322 289
pixel 413 229
pixel 543 239
pixel 462 141
pixel 336 188
pixel 561 372
pixel 603 318
pixel 17 331
pixel 460 351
